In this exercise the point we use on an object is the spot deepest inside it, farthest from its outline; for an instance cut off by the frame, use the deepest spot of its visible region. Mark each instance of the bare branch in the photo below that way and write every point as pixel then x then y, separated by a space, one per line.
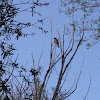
pixel 88 89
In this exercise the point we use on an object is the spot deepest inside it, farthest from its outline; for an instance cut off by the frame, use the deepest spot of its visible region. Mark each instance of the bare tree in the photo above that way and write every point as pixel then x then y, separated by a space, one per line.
pixel 76 29
pixel 63 68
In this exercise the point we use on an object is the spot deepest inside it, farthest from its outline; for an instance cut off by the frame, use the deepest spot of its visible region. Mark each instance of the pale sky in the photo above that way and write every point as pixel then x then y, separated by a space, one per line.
pixel 34 45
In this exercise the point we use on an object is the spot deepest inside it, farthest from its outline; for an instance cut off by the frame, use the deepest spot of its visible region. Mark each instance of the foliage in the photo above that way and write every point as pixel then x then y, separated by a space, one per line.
pixel 10 28
pixel 89 9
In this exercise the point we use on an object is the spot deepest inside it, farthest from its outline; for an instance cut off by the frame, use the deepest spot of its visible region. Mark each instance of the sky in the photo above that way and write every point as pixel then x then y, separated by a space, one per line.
pixel 40 42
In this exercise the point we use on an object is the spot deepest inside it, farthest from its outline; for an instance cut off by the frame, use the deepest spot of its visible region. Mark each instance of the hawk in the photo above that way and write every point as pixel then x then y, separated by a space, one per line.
pixel 56 42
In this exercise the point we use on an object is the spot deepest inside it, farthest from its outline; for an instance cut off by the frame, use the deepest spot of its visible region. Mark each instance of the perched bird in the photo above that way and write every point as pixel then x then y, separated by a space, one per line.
pixel 56 42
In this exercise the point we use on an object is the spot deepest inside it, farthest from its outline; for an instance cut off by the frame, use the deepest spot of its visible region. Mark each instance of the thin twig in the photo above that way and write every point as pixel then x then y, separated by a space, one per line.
pixel 88 89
